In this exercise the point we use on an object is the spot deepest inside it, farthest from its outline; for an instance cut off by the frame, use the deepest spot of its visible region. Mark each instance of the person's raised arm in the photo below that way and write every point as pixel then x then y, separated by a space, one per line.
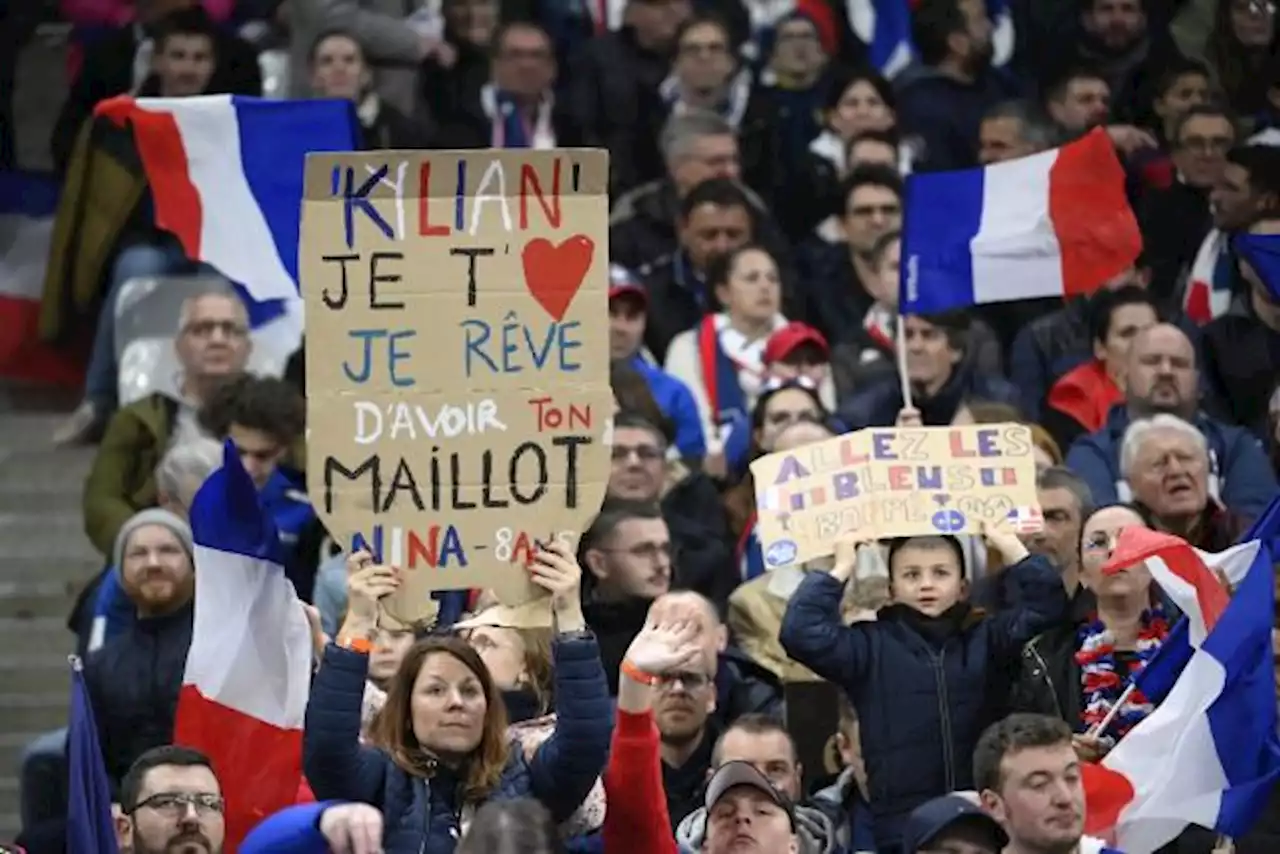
pixel 566 765
pixel 813 631
pixel 336 766
pixel 637 821
pixel 1036 587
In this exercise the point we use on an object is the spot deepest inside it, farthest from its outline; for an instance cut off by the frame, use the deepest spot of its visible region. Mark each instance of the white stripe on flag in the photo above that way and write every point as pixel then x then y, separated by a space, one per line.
pixel 1023 258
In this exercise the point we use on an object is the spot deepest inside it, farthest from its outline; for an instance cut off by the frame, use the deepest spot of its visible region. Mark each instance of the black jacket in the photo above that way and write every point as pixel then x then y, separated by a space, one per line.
pixel 1048 679
pixel 700 535
pixel 878 404
pixel 471 128
pixel 133 683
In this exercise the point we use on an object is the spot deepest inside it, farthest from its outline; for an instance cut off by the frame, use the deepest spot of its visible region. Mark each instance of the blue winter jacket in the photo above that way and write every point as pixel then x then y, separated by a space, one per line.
pixel 1240 474
pixel 676 402
pixel 422 815
pixel 295 830
pixel 921 703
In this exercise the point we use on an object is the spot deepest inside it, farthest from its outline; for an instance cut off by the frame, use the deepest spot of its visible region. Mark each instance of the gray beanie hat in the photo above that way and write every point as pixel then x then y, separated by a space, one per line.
pixel 153 516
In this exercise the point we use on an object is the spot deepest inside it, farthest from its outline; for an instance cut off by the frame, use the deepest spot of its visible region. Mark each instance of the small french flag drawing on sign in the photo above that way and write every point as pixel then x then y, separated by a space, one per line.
pixel 1027 520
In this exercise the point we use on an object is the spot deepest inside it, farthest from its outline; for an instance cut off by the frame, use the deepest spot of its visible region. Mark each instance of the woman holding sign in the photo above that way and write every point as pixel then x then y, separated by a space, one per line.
pixel 443 744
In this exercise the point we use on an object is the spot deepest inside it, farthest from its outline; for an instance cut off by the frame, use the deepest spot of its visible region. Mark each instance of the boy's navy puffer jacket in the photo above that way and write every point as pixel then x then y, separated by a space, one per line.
pixel 423 815
pixel 921 703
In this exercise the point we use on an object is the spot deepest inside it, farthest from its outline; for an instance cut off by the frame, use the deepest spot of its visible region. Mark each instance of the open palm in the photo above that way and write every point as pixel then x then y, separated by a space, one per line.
pixel 665 647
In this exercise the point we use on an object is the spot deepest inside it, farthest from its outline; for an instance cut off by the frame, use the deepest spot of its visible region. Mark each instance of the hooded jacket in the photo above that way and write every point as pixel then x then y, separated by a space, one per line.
pixel 816 833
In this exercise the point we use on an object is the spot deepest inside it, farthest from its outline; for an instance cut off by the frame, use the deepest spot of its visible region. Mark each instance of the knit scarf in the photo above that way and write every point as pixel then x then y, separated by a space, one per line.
pixel 1209 288
pixel 1102 681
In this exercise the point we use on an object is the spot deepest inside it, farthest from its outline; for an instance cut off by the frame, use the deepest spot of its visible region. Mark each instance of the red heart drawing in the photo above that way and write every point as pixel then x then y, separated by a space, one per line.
pixel 554 273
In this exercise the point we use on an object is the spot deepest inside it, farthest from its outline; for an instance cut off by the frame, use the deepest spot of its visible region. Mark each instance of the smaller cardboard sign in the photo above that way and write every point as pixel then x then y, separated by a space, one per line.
pixel 894 482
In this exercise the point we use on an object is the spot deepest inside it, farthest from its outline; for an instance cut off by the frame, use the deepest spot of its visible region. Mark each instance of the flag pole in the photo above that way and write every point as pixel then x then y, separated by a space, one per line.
pixel 1097 731
pixel 900 345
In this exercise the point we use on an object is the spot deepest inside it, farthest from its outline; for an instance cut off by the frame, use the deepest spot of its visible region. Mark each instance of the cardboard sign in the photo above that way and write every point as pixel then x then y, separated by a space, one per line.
pixel 894 483
pixel 457 359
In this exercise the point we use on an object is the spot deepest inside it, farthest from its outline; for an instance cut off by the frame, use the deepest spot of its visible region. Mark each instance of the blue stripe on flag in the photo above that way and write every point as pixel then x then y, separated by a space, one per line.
pixel 28 194
pixel 943 214
pixel 1243 717
pixel 90 827
pixel 227 514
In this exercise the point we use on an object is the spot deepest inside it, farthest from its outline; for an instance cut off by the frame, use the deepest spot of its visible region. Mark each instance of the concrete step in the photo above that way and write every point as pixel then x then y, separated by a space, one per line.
pixel 26 599
pixel 37 634
pixel 33 713
pixel 39 468
pixel 36 672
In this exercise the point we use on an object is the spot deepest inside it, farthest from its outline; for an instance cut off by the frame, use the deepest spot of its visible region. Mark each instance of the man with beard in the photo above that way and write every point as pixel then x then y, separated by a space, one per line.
pixel 1162 377
pixel 1028 776
pixel 942 100
pixel 682 709
pixel 171 803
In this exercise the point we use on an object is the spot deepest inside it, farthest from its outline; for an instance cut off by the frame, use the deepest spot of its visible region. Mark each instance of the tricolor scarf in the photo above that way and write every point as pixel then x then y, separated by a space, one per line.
pixel 1102 681
pixel 1209 287
pixel 731 109
pixel 732 367
pixel 747 555
pixel 508 126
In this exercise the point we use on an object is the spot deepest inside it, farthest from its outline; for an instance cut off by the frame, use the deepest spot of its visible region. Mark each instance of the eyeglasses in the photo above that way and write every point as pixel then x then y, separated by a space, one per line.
pixel 1207 145
pixel 690 681
pixel 885 211
pixel 174 804
pixel 644 453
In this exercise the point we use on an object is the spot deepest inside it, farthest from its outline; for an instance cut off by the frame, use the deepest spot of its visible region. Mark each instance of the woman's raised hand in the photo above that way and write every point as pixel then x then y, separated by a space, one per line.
pixel 367 582
pixel 555 569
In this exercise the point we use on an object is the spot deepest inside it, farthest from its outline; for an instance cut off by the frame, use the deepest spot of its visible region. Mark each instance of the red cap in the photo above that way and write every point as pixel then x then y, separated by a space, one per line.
pixel 623 283
pixel 783 342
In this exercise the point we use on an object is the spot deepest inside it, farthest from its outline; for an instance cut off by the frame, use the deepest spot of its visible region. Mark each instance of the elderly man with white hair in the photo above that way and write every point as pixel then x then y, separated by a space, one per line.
pixel 1162 378
pixel 1166 463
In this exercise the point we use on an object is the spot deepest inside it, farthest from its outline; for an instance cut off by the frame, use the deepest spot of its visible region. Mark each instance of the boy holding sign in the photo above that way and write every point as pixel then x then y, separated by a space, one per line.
pixel 919 675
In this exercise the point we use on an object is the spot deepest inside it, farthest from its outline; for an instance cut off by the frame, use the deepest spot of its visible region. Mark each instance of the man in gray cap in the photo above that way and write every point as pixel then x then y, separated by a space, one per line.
pixel 746 813
pixel 952 824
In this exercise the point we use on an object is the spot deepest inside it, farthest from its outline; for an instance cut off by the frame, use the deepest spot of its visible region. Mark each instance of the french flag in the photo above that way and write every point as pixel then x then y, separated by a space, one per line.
pixel 1054 224
pixel 885 27
pixel 244 692
pixel 226 175
pixel 1208 755
pixel 28 204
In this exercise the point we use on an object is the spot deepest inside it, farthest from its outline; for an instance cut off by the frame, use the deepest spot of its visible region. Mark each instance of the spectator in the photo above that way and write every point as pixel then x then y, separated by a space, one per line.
pixel 173 50
pixel 1029 779
pixel 560 774
pixel 1051 346
pixel 639 821
pixel 858 102
pixel 134 679
pixel 941 377
pixel 507 827
pixel 1013 129
pixel 1242 41
pixel 1078 100
pixel 171 798
pixel 942 100
pixel 721 360
pixel 1183 85
pixel 870 351
pixel 797 351
pixel 628 319
pixel 687 732
pixel 613 89
pixel 338 70
pixel 652 229
pixel 841 282
pixel 897 655
pixel 1117 623
pixel 453 74
pixel 1165 461
pixel 845 800
pixel 1239 349
pixel 629 559
pixel 764 744
pixel 515 109
pixel 1162 378
pixel 952 823
pixel 213 347
pixel 265 419
pixel 688 500
pixel 1079 401
pixel 1176 218
pixel 744 808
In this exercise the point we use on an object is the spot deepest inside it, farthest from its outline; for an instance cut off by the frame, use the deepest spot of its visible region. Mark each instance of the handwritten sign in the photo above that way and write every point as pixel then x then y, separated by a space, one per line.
pixel 893 483
pixel 457 359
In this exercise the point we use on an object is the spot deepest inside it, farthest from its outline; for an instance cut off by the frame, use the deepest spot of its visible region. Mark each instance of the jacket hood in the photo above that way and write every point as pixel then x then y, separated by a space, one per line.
pixel 815 831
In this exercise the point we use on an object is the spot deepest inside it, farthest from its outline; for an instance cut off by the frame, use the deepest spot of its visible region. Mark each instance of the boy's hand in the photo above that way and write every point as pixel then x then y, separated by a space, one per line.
pixel 909 416
pixel 846 556
pixel 1000 536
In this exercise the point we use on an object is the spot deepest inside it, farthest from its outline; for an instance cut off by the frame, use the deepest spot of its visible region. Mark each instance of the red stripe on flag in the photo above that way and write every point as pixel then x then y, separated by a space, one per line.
pixel 24 357
pixel 1138 544
pixel 259 766
pixel 164 158
pixel 1097 231
pixel 1106 794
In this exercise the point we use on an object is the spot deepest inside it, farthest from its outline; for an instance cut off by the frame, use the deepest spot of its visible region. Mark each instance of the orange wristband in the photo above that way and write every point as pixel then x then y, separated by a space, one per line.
pixel 360 645
pixel 635 674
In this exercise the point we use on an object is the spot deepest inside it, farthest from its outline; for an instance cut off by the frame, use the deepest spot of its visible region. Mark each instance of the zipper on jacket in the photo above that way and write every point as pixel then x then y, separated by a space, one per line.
pixel 1044 672
pixel 944 715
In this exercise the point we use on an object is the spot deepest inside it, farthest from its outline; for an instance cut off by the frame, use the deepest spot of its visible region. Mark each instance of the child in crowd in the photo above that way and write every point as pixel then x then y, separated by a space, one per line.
pixel 921 676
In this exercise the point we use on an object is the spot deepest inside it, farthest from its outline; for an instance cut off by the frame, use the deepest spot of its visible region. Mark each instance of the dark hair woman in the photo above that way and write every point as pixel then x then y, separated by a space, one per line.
pixel 442 747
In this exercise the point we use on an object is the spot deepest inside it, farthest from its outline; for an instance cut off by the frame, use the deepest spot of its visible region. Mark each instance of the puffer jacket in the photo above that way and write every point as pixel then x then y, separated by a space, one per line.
pixel 922 701
pixel 425 816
